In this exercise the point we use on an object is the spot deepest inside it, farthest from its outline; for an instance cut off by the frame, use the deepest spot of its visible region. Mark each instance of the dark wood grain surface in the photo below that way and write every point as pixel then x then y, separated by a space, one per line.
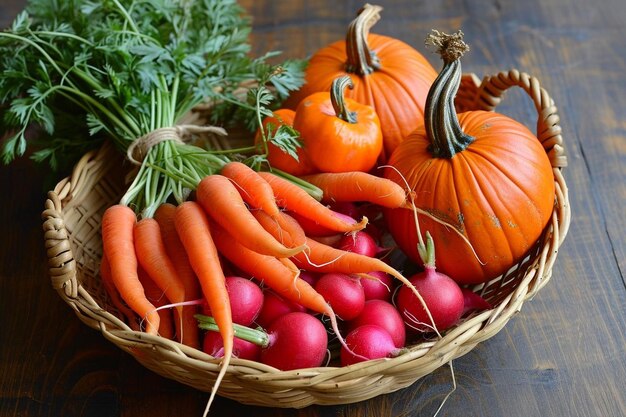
pixel 564 354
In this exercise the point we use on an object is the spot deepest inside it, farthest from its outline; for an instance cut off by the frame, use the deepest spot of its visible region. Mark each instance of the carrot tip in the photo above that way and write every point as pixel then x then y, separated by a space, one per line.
pixel 361 225
pixel 294 251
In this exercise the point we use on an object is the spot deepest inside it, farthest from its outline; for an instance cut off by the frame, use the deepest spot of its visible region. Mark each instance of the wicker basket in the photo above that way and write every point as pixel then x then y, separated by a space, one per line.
pixel 72 237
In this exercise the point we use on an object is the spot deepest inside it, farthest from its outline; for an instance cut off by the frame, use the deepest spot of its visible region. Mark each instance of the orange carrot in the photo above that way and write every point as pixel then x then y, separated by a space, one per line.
pixel 320 257
pixel 153 258
pixel 293 198
pixel 283 227
pixel 105 274
pixel 164 215
pixel 118 223
pixel 324 258
pixel 276 274
pixel 221 200
pixel 359 186
pixel 253 188
pixel 157 297
pixel 193 229
pixel 269 270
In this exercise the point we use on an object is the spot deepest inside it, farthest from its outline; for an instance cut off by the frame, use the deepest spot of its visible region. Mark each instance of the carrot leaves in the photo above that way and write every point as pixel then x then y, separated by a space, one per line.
pixel 123 68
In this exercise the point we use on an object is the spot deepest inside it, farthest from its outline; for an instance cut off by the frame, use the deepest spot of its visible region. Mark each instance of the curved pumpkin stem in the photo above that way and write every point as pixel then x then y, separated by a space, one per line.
pixel 442 124
pixel 338 100
pixel 362 60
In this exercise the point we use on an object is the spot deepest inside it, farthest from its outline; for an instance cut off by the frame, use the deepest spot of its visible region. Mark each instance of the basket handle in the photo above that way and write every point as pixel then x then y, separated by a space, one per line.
pixel 488 93
pixel 61 263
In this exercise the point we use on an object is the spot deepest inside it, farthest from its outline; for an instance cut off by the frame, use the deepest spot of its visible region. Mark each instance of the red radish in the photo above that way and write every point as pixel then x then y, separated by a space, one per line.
pixel 347 208
pixel 382 314
pixel 242 349
pixel 310 277
pixel 296 340
pixel 246 300
pixel 344 294
pixel 293 341
pixel 368 342
pixel 275 306
pixel 359 242
pixel 378 285
pixel 473 302
pixel 441 294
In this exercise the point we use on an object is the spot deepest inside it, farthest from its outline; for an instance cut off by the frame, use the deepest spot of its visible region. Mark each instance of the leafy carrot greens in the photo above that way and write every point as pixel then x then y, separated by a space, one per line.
pixel 82 71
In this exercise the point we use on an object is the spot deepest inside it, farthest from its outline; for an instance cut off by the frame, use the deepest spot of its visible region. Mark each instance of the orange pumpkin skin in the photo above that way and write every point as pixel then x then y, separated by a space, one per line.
pixel 499 192
pixel 333 144
pixel 392 77
pixel 278 158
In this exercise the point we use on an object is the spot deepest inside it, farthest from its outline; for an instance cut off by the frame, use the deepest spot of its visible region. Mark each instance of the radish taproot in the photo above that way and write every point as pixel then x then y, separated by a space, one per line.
pixel 441 294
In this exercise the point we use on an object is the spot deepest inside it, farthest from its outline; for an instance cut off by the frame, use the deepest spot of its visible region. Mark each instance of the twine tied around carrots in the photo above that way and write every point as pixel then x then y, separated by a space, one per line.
pixel 183 133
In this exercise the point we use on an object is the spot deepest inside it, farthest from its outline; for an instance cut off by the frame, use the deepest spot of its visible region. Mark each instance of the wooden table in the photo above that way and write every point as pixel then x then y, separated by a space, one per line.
pixel 564 354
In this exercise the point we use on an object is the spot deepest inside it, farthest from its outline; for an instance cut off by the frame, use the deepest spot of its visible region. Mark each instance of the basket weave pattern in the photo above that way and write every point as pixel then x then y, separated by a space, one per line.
pixel 71 225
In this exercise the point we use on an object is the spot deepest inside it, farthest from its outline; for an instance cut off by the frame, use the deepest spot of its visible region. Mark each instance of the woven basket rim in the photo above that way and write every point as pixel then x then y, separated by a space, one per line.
pixel 254 383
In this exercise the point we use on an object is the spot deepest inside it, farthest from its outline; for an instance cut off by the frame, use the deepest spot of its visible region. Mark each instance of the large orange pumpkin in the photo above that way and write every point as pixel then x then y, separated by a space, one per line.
pixel 387 74
pixel 482 172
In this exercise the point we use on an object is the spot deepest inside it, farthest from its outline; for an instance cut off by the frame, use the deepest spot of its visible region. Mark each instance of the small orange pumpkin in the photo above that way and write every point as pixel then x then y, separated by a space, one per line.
pixel 387 74
pixel 482 172
pixel 338 134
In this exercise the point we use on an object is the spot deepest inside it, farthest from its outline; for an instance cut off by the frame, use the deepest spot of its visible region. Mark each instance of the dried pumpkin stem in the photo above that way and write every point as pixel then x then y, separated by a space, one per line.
pixel 442 124
pixel 361 59
pixel 338 100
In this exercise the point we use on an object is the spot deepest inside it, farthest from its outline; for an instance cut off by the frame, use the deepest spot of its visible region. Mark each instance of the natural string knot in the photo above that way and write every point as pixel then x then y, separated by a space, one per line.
pixel 137 150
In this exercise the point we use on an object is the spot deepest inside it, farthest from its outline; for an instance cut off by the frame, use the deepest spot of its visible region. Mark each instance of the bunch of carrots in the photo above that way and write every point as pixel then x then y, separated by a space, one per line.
pixel 174 261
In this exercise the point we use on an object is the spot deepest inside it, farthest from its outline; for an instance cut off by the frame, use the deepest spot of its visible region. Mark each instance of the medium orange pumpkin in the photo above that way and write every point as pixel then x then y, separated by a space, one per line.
pixel 482 172
pixel 387 74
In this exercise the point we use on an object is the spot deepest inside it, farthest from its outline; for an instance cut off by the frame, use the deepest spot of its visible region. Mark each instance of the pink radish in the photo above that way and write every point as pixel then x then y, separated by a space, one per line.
pixel 440 293
pixel 378 285
pixel 344 294
pixel 359 242
pixel 246 300
pixel 293 341
pixel 275 306
pixel 384 315
pixel 296 340
pixel 310 277
pixel 473 302
pixel 368 342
